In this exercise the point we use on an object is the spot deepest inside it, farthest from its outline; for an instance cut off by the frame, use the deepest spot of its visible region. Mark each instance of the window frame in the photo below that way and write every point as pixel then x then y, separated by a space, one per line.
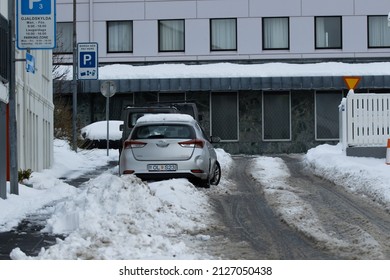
pixel 108 36
pixel 341 33
pixel 264 48
pixel 57 40
pixel 235 48
pixel 159 35
pixel 289 139
pixel 368 33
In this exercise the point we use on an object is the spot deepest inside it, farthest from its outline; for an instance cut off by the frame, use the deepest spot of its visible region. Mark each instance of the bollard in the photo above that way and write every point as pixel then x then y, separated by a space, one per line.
pixel 388 152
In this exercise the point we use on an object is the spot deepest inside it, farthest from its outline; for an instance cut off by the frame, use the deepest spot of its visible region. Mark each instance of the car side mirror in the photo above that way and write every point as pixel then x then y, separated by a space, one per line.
pixel 215 139
pixel 121 127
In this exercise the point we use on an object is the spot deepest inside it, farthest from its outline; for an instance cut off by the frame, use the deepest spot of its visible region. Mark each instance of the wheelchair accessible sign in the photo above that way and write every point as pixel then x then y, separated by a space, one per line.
pixel 36 24
pixel 87 61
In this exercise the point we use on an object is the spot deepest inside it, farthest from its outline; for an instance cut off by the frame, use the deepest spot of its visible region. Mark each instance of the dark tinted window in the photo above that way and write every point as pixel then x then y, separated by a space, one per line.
pixel 175 131
pixel 3 47
pixel 327 115
pixel 276 116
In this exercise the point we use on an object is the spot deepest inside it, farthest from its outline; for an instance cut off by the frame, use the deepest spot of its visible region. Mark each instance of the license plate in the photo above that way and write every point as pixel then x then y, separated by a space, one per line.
pixel 162 167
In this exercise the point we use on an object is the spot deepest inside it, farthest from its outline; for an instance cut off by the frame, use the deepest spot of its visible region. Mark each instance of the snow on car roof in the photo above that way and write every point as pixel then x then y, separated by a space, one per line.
pixel 165 117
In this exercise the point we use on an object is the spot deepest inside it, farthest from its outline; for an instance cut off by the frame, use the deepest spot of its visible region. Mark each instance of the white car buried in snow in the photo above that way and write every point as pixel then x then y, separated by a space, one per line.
pixel 164 146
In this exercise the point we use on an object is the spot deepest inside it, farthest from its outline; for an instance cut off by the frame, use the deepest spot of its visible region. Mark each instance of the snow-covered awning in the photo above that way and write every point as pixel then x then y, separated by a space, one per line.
pixel 230 76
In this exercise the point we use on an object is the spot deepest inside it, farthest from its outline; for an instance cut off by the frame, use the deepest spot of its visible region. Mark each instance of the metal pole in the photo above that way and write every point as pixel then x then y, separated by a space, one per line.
pixel 108 123
pixel 74 115
pixel 3 151
pixel 12 103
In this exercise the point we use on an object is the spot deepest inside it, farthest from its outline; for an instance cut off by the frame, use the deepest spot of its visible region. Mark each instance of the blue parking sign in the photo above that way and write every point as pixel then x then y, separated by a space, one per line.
pixel 36 7
pixel 87 61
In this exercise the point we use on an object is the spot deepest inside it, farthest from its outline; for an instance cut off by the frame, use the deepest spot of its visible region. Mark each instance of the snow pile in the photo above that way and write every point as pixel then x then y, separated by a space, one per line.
pixel 165 117
pixel 367 176
pixel 232 70
pixel 98 130
pixel 123 218
pixel 113 217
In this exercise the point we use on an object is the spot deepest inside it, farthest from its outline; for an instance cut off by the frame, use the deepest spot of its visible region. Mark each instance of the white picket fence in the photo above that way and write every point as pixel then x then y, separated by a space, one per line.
pixel 365 120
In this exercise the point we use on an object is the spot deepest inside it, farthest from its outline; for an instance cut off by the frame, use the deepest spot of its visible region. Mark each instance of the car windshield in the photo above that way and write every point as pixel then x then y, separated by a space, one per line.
pixel 174 131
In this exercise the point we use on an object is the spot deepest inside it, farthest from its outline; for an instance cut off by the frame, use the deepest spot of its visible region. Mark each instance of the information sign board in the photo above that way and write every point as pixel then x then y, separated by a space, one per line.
pixel 87 61
pixel 30 63
pixel 36 24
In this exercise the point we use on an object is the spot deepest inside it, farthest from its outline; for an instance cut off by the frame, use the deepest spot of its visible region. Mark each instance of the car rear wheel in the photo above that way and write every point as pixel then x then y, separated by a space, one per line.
pixel 216 175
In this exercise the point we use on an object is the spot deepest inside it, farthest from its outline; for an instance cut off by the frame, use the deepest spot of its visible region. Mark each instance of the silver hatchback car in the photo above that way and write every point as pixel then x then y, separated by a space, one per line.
pixel 164 146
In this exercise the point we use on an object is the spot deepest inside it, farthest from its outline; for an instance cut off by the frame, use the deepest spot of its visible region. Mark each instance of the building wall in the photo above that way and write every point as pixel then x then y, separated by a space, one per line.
pixel 3 124
pixel 34 112
pixel 93 15
pixel 34 98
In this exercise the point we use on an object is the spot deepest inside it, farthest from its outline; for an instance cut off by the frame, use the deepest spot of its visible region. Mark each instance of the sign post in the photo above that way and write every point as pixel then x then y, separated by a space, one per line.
pixel 108 89
pixel 87 61
pixel 36 24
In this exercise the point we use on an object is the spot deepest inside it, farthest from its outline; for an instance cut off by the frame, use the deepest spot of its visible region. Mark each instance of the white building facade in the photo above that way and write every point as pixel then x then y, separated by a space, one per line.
pixel 251 115
pixel 34 103
pixel 219 30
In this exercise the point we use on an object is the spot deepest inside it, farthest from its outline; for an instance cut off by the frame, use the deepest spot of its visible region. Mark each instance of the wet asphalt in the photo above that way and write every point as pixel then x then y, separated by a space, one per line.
pixel 27 234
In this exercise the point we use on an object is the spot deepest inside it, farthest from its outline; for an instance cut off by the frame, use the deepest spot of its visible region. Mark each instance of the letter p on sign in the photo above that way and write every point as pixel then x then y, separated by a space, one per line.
pixel 88 59
pixel 36 7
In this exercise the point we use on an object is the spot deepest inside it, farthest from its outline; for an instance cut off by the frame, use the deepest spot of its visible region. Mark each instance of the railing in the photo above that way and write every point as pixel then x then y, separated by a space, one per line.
pixel 365 120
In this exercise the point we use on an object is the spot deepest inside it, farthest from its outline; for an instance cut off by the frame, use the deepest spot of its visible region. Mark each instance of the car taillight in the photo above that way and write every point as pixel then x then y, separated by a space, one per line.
pixel 194 143
pixel 132 144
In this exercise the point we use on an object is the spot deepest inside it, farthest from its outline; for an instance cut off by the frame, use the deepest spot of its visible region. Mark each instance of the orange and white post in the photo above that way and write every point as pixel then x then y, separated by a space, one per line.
pixel 388 152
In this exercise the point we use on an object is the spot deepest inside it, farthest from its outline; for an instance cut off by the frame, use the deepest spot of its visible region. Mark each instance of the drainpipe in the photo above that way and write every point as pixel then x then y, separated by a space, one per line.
pixel 12 102
pixel 3 147
pixel 91 21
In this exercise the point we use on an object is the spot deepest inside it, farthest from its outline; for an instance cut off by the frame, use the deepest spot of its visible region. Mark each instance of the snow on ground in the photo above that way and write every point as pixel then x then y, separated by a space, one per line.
pixel 112 217
pixel 364 176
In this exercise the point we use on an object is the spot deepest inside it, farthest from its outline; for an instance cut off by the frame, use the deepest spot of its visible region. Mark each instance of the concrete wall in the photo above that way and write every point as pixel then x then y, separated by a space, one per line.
pixel 91 108
pixel 92 17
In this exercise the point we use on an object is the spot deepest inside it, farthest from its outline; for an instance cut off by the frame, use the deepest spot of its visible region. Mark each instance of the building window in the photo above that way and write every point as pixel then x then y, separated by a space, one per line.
pixel 171 35
pixel 119 36
pixel 378 32
pixel 224 116
pixel 4 48
pixel 64 37
pixel 327 115
pixel 223 34
pixel 276 34
pixel 276 116
pixel 328 32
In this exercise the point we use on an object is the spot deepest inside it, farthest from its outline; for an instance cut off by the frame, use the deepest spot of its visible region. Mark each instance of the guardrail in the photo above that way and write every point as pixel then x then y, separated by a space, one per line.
pixel 365 120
